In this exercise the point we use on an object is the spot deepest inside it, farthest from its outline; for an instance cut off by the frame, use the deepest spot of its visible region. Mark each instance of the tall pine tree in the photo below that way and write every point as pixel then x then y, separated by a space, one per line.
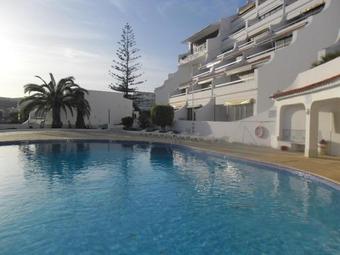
pixel 125 68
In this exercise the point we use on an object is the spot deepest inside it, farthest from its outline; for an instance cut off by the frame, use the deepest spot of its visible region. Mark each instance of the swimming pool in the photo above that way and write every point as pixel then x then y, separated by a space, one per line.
pixel 140 198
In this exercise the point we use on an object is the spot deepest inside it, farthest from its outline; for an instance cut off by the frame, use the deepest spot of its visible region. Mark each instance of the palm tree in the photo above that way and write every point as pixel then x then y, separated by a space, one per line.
pixel 82 106
pixel 50 96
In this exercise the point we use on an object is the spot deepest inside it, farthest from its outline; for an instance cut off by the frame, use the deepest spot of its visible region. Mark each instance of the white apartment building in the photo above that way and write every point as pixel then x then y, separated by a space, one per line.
pixel 224 83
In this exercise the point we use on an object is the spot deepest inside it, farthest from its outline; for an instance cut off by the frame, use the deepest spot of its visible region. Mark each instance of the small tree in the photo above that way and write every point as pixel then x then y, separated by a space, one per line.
pixel 144 119
pixel 127 122
pixel 125 68
pixel 82 106
pixel 53 96
pixel 326 58
pixel 162 115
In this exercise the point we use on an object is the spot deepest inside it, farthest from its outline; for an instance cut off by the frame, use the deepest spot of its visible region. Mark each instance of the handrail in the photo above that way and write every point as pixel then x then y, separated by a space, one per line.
pixel 246 44
pixel 199 90
pixel 262 52
pixel 177 95
pixel 229 64
pixel 233 82
pixel 290 24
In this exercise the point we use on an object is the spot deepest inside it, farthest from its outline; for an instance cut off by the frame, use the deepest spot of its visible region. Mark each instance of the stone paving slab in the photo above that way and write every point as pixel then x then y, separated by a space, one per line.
pixel 326 167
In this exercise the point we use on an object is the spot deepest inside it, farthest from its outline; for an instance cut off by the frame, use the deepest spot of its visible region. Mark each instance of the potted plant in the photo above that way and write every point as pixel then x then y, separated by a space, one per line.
pixel 322 147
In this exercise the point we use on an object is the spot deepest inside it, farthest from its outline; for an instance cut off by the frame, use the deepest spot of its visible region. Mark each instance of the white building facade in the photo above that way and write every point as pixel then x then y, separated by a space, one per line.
pixel 223 85
pixel 107 109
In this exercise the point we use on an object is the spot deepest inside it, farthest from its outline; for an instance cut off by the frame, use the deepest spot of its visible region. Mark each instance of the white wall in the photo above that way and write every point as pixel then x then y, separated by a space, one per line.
pixel 299 56
pixel 294 117
pixel 240 131
pixel 103 104
pixel 206 113
pixel 182 75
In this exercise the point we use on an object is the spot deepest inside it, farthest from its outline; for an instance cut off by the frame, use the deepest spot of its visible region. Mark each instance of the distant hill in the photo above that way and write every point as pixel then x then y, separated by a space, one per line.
pixel 7 102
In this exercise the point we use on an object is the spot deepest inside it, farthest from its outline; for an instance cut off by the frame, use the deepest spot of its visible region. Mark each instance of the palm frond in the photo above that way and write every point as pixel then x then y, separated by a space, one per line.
pixel 31 87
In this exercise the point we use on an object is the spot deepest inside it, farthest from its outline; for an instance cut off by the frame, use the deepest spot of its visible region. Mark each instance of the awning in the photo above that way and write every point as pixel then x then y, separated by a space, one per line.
pixel 205 81
pixel 194 104
pixel 184 86
pixel 178 105
pixel 239 101
pixel 239 70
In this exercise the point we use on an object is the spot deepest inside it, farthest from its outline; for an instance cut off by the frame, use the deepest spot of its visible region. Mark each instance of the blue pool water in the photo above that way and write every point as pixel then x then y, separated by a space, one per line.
pixel 124 198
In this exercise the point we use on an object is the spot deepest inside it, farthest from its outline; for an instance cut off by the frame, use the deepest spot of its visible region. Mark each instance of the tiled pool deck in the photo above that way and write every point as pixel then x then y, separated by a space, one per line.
pixel 326 167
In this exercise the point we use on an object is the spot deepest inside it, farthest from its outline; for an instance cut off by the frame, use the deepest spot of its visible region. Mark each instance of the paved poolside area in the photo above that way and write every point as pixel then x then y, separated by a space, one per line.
pixel 326 167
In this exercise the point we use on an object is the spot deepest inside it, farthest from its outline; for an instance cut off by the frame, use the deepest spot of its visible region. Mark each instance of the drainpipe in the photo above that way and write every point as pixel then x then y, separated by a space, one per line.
pixel 284 11
pixel 213 98
pixel 257 8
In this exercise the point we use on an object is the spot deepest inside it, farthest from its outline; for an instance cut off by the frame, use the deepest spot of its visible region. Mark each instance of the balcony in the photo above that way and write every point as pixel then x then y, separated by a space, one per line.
pixel 226 64
pixel 246 8
pixel 234 82
pixel 197 52
pixel 201 72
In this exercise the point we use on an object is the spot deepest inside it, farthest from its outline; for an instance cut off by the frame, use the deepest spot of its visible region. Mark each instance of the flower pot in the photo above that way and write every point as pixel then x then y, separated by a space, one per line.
pixel 322 148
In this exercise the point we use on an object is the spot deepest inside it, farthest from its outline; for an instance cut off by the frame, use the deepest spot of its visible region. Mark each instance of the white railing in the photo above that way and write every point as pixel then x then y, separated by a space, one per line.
pixel 177 94
pixel 261 53
pixel 229 64
pixel 191 57
pixel 246 44
pixel 200 48
pixel 233 82
pixel 199 90
pixel 226 52
pixel 291 24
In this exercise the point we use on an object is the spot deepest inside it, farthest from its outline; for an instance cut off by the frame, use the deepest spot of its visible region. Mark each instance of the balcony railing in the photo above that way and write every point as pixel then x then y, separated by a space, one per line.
pixel 263 52
pixel 233 82
pixel 230 63
pixel 198 51
pixel 177 93
pixel 200 48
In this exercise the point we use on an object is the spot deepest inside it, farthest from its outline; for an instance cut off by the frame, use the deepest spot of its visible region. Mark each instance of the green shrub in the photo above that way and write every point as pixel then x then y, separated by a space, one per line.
pixel 326 58
pixel 162 115
pixel 127 122
pixel 144 119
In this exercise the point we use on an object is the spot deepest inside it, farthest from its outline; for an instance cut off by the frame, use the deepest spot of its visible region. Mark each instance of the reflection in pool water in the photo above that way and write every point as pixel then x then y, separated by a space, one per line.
pixel 126 198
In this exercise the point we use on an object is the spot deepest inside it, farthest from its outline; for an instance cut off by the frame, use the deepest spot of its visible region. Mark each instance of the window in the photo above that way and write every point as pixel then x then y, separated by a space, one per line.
pixel 239 112
pixel 243 26
pixel 283 42
pixel 267 14
pixel 191 114
pixel 202 86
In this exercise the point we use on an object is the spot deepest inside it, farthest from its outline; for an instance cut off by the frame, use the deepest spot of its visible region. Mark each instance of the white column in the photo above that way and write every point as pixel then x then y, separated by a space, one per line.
pixel 311 135
pixel 278 123
pixel 213 98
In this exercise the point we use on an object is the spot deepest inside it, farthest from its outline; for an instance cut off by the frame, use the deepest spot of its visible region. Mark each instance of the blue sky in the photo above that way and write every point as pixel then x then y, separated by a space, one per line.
pixel 79 37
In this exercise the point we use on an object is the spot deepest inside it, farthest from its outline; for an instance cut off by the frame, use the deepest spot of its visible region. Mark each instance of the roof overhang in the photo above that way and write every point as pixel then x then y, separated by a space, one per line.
pixel 203 33
pixel 306 88
pixel 239 101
